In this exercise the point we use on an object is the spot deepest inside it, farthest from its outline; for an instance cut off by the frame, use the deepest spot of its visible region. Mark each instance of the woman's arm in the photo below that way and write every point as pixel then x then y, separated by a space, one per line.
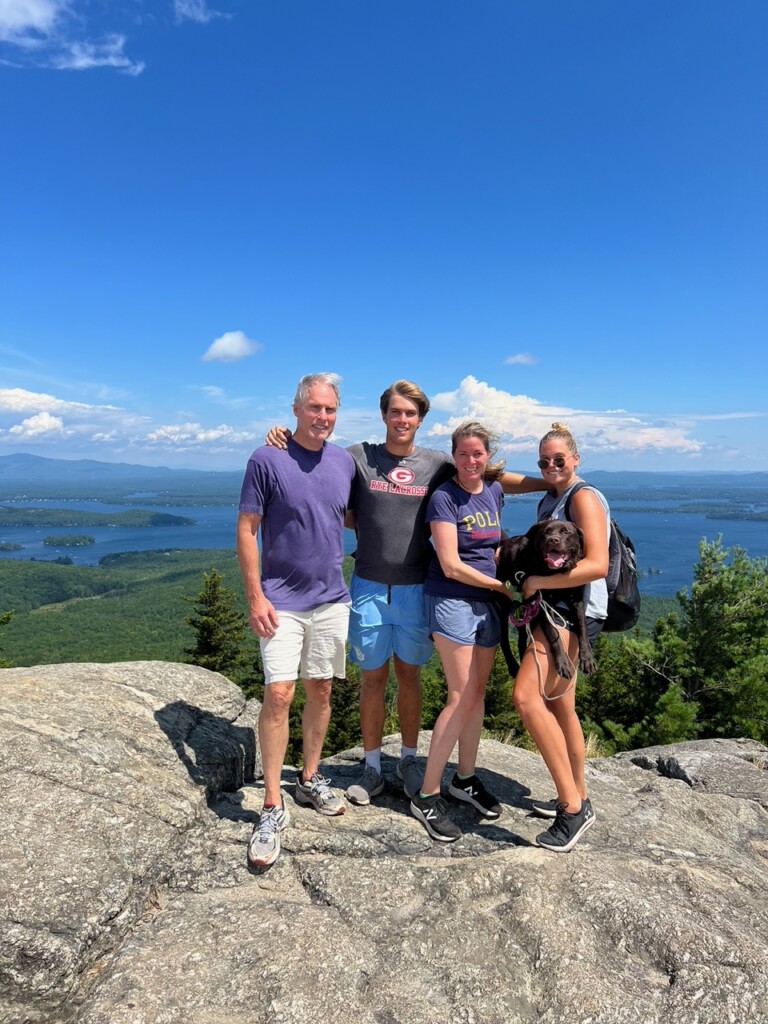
pixel 589 515
pixel 516 483
pixel 446 541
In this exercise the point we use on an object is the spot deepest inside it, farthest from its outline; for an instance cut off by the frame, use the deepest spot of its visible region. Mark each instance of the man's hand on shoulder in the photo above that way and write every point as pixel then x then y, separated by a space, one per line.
pixel 277 437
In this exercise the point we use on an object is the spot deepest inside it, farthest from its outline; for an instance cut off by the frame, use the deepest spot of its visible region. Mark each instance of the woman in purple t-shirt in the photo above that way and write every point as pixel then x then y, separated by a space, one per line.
pixel 465 519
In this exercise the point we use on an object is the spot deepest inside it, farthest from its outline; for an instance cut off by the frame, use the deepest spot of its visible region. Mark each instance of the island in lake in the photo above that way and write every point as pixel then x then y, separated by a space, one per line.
pixel 74 517
pixel 69 540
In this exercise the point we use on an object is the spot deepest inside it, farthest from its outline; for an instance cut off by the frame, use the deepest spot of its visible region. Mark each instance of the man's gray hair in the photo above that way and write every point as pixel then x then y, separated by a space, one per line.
pixel 333 380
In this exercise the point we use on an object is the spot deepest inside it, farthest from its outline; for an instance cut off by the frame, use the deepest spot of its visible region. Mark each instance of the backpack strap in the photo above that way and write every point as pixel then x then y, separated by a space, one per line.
pixel 578 486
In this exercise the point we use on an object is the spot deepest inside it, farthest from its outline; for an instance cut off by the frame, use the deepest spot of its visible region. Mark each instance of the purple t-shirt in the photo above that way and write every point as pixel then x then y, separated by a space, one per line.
pixel 478 530
pixel 302 497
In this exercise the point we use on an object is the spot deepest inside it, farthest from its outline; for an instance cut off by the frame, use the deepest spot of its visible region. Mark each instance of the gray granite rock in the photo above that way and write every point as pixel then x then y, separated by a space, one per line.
pixel 127 799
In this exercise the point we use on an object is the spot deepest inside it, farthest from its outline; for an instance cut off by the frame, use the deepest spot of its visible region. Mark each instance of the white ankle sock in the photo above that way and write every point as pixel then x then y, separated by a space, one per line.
pixel 407 752
pixel 373 758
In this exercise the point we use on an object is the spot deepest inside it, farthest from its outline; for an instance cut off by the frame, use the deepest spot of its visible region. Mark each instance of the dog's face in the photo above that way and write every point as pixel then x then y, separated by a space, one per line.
pixel 550 546
pixel 558 544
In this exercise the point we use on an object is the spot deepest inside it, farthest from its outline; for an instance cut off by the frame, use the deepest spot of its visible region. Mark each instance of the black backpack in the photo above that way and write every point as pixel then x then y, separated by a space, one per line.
pixel 623 592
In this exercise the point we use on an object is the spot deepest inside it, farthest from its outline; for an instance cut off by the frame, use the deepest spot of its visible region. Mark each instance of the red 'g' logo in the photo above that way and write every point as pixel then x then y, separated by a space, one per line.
pixel 401 475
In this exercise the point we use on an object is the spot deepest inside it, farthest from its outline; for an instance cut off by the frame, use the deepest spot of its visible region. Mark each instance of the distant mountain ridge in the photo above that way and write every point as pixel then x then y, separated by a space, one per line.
pixel 24 476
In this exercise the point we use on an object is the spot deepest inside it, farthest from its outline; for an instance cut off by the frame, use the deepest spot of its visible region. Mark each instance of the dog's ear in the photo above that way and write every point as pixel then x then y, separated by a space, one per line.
pixel 510 551
pixel 580 536
pixel 532 533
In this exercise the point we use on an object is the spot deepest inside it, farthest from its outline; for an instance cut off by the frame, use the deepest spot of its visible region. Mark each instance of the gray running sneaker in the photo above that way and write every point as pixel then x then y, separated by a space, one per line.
pixel 410 775
pixel 317 793
pixel 264 844
pixel 369 784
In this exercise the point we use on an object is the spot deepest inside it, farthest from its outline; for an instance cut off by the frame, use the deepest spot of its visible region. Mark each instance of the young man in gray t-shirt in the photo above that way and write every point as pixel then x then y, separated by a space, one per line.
pixel 392 486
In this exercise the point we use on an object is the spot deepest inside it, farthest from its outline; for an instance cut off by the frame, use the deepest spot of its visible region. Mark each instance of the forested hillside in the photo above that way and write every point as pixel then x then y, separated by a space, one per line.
pixel 697 665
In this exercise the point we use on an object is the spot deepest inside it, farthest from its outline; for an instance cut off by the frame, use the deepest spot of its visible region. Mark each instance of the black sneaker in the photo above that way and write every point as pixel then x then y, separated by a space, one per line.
pixel 544 808
pixel 472 791
pixel 567 829
pixel 433 815
pixel 547 808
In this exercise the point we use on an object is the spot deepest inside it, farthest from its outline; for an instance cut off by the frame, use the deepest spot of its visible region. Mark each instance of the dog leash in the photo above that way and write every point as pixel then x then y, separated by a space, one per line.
pixel 522 615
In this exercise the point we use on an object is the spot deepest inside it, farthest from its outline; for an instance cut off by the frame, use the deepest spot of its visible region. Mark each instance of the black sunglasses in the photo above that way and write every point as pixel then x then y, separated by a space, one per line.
pixel 558 462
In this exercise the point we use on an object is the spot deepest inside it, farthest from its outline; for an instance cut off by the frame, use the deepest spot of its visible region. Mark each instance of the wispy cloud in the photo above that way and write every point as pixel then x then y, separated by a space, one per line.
pixel 186 436
pixel 56 34
pixel 195 10
pixel 231 347
pixel 521 359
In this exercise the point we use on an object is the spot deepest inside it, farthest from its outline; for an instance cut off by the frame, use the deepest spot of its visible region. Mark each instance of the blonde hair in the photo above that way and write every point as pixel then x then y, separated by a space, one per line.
pixel 406 389
pixel 471 428
pixel 560 432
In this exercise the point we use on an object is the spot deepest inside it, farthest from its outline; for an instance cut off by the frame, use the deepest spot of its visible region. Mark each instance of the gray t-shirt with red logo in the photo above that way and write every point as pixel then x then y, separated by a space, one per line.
pixel 389 498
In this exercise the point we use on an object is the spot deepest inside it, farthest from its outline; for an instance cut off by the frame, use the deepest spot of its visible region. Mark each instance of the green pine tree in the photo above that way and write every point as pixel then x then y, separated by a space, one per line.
pixel 222 638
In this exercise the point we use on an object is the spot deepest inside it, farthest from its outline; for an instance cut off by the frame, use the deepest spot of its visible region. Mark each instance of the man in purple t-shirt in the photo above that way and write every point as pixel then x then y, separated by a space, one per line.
pixel 297 598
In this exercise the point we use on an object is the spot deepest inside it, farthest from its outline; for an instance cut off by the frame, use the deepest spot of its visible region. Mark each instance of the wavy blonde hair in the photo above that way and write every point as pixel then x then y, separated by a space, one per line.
pixel 489 440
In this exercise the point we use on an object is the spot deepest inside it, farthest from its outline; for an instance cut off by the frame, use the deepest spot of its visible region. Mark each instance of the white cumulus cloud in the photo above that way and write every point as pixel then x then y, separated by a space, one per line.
pixel 521 421
pixel 231 347
pixel 37 426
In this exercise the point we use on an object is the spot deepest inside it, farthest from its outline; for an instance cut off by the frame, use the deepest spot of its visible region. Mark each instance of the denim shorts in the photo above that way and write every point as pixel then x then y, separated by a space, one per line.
pixel 464 621
pixel 386 620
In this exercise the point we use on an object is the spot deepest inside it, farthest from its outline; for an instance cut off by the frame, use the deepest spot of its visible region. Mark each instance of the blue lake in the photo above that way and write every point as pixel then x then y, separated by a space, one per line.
pixel 664 540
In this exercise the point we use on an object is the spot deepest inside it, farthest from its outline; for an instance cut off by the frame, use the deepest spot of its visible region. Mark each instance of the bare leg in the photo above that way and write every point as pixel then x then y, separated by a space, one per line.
pixel 372 705
pixel 541 721
pixel 314 722
pixel 466 691
pixel 408 701
pixel 469 740
pixel 273 736
pixel 564 711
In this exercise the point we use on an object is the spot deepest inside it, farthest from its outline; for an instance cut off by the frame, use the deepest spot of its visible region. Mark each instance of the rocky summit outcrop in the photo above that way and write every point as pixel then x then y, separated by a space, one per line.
pixel 127 798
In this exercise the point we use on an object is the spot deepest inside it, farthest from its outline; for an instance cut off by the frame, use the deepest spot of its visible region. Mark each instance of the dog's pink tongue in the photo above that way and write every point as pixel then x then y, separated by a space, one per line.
pixel 555 561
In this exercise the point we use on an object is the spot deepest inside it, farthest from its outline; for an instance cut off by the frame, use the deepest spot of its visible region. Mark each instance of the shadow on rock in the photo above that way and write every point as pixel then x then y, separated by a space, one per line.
pixel 219 756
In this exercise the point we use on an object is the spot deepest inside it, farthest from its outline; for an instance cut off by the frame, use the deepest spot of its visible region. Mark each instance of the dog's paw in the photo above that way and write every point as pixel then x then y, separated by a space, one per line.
pixel 587 664
pixel 563 666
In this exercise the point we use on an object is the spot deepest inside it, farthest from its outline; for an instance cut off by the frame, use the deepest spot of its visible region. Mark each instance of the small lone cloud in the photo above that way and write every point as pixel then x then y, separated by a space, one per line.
pixel 195 10
pixel 521 359
pixel 231 347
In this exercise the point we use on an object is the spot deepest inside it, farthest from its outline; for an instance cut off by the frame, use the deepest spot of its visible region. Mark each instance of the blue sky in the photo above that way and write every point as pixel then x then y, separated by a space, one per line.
pixel 536 209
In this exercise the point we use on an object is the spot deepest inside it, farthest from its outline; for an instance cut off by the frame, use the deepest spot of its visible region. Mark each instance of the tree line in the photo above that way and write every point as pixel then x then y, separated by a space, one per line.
pixel 701 671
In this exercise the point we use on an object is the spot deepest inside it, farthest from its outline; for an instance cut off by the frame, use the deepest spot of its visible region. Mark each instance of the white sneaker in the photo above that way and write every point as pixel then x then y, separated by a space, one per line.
pixel 264 844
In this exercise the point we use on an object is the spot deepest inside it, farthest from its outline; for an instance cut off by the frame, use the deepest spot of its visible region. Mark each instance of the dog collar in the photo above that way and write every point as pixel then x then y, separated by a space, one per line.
pixel 524 612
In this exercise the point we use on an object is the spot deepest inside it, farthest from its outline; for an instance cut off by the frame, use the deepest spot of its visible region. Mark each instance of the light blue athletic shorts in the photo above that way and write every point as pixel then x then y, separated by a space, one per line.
pixel 384 620
pixel 464 621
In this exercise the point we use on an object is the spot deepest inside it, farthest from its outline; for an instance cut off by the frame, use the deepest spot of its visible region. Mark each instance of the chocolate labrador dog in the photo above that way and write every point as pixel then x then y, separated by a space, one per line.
pixel 550 546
